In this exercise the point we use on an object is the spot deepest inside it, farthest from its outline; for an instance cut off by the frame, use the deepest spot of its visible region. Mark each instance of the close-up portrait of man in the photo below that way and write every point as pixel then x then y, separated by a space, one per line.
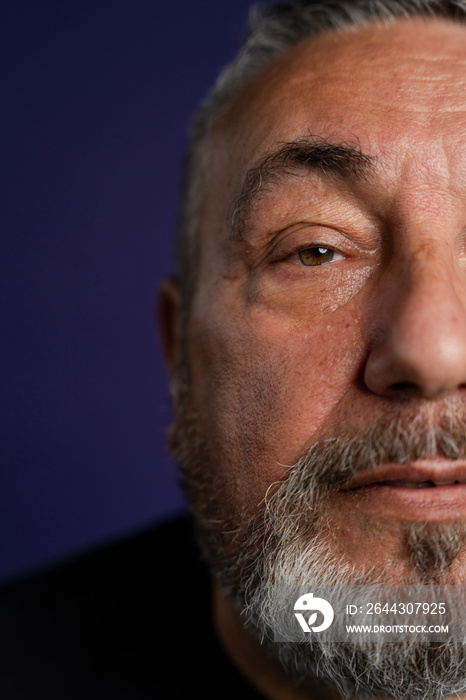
pixel 314 333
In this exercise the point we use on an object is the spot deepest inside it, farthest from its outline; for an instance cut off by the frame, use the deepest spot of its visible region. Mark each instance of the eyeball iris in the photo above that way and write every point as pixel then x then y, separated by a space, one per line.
pixel 316 256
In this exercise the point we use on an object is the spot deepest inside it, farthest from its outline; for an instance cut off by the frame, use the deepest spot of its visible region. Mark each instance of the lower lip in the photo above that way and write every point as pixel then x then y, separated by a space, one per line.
pixel 446 502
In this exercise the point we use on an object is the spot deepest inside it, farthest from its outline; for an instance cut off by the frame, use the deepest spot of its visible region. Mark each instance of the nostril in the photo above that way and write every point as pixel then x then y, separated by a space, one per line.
pixel 404 388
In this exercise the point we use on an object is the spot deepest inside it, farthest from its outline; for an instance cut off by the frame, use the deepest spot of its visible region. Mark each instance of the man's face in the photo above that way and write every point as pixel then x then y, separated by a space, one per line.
pixel 327 332
pixel 337 301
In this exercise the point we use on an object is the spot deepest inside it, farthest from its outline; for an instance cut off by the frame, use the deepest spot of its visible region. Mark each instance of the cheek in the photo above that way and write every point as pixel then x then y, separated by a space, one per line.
pixel 265 387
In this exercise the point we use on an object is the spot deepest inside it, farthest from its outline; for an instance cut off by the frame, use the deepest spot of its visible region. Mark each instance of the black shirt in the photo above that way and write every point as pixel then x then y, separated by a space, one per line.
pixel 130 621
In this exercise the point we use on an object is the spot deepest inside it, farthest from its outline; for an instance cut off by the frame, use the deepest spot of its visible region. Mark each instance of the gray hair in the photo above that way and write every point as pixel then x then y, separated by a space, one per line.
pixel 272 30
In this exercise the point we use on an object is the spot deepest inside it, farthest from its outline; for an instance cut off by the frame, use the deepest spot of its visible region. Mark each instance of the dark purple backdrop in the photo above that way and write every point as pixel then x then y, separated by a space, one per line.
pixel 96 96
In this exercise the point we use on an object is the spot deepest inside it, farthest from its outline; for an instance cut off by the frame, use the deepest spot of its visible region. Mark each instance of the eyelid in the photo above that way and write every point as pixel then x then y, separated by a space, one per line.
pixel 286 244
pixel 304 235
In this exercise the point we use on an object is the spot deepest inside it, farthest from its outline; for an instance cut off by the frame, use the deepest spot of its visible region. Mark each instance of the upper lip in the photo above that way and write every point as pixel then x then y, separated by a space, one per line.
pixel 437 471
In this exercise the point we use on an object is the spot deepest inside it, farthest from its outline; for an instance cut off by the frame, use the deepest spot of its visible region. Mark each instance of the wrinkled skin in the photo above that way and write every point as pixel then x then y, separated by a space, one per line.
pixel 280 353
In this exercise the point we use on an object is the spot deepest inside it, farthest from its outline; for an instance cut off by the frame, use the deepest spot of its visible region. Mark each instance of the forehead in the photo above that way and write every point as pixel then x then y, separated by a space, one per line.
pixel 385 87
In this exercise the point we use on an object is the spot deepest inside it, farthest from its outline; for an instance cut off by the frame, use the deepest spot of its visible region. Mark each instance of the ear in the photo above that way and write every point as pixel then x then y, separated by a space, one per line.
pixel 169 314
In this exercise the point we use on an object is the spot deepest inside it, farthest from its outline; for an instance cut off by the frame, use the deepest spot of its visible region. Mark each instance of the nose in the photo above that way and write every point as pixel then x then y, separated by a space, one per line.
pixel 421 334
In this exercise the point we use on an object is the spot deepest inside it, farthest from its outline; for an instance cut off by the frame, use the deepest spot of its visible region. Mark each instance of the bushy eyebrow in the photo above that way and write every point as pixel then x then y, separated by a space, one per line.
pixel 312 153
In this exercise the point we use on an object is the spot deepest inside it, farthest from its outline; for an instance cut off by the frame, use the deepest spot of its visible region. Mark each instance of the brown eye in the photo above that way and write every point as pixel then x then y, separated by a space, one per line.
pixel 316 256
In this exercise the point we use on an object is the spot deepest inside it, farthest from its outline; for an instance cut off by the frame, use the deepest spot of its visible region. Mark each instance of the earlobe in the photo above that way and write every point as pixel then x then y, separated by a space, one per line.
pixel 169 318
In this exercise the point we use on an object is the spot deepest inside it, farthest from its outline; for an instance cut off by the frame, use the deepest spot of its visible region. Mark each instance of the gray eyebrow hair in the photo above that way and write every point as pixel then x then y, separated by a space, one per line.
pixel 313 153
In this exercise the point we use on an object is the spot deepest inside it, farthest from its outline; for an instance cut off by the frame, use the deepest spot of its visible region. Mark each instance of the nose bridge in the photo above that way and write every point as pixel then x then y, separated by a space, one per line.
pixel 421 344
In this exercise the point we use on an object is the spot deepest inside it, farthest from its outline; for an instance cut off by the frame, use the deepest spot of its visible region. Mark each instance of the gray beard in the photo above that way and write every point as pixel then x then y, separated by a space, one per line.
pixel 284 549
pixel 254 558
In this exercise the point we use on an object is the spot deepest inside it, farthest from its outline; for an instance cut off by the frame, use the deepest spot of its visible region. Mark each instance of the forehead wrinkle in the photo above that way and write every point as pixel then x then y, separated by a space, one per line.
pixel 314 153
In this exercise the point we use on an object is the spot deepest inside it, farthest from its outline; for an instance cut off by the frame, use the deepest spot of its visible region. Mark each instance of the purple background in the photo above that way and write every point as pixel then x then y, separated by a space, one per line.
pixel 96 96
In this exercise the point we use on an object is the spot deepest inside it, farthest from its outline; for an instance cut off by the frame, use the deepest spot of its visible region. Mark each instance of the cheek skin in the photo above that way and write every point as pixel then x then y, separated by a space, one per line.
pixel 264 384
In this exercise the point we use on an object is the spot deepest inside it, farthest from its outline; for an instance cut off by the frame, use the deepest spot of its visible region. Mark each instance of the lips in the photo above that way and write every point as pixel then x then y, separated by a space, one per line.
pixel 416 475
pixel 431 490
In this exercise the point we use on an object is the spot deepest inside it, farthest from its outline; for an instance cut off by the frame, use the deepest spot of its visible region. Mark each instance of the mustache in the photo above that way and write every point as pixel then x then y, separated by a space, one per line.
pixel 331 463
